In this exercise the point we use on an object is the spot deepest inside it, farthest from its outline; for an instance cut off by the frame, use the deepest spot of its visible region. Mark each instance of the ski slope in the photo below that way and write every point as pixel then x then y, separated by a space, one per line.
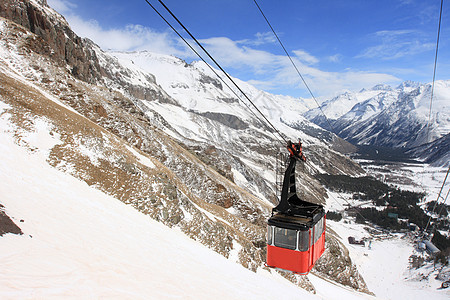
pixel 385 265
pixel 81 243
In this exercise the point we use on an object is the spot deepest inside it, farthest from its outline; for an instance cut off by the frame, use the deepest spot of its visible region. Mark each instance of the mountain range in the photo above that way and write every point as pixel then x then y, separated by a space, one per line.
pixel 404 117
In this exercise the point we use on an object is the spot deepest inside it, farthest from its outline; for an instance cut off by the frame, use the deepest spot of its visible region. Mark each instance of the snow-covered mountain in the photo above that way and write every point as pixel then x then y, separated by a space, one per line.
pixel 214 116
pixel 383 116
pixel 83 128
pixel 205 169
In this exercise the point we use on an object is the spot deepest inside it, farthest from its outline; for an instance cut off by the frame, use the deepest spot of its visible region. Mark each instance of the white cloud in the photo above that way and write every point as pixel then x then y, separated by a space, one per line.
pixel 334 58
pixel 272 72
pixel 240 58
pixel 406 2
pixel 230 53
pixel 394 44
pixel 61 6
pixel 260 39
pixel 129 38
pixel 356 80
pixel 305 57
pixel 392 35
pixel 322 83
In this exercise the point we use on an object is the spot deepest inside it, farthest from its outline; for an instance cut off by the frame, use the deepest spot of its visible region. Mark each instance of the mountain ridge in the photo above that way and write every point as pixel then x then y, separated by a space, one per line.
pixel 388 117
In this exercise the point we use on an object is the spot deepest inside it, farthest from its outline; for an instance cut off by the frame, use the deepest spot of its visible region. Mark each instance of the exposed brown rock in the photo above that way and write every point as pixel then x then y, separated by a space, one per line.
pixel 7 225
pixel 63 45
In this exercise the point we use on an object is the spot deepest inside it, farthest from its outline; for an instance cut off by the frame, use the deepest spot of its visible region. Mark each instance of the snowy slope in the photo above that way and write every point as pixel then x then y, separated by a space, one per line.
pixel 385 265
pixel 80 243
pixel 196 87
pixel 95 145
pixel 437 152
pixel 341 104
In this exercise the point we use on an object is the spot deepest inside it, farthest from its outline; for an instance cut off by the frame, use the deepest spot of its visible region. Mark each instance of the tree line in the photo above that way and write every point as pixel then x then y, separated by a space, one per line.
pixel 395 203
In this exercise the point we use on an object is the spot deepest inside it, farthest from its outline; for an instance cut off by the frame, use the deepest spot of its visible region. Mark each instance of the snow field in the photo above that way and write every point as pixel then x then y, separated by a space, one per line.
pixel 80 243
pixel 385 266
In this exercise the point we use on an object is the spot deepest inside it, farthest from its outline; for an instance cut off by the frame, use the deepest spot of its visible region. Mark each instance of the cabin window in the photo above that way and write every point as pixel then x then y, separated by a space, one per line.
pixel 316 233
pixel 285 238
pixel 318 230
pixel 313 234
pixel 303 241
pixel 270 235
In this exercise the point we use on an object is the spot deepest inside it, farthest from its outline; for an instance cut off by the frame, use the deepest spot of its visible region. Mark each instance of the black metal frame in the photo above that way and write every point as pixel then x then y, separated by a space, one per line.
pixel 292 212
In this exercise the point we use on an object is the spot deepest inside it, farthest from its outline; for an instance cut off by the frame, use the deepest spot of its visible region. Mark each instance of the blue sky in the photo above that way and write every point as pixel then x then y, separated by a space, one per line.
pixel 337 45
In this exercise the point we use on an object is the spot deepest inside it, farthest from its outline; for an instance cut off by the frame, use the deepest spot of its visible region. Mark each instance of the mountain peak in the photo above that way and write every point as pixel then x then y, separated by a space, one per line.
pixel 408 85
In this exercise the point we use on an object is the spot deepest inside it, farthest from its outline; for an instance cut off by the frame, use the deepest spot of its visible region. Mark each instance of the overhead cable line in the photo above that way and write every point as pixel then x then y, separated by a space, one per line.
pixel 209 66
pixel 218 65
pixel 437 201
pixel 443 202
pixel 226 74
pixel 312 95
pixel 295 66
pixel 431 101
pixel 434 71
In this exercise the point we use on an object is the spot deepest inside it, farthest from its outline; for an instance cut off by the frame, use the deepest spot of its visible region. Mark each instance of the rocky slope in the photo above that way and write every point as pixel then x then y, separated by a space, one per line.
pixel 60 43
pixel 435 153
pixel 120 132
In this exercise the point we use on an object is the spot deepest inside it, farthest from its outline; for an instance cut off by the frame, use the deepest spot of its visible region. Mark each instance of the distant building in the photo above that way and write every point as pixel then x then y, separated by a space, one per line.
pixel 353 241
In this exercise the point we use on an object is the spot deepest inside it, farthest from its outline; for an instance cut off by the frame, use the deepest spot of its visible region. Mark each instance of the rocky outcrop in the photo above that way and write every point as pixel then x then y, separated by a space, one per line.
pixel 62 44
pixel 7 225
pixel 67 49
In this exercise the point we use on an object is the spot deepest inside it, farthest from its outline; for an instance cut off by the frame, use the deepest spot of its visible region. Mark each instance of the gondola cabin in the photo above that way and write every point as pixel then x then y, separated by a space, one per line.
pixel 295 242
pixel 296 229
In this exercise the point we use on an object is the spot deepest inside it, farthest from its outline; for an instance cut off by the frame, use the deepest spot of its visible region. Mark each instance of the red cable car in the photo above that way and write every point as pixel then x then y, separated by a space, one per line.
pixel 296 229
